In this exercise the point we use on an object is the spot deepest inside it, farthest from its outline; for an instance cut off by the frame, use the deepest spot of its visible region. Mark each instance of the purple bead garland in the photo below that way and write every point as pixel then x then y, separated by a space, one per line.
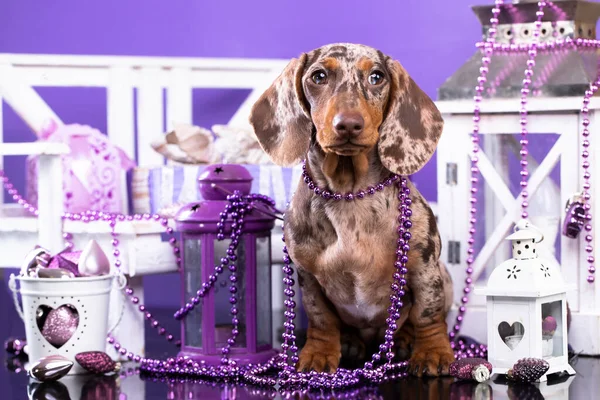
pixel 481 80
pixel 130 292
pixel 532 52
pixel 586 178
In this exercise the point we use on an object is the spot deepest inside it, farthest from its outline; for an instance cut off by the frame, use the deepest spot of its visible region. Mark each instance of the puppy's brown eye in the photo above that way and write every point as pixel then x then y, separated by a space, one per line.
pixel 319 77
pixel 376 78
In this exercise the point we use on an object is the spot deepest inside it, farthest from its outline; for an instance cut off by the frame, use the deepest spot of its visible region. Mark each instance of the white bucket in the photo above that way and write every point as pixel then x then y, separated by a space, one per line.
pixel 90 296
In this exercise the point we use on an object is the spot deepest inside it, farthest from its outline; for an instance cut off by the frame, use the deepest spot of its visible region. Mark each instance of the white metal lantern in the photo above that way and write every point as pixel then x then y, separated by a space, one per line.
pixel 527 307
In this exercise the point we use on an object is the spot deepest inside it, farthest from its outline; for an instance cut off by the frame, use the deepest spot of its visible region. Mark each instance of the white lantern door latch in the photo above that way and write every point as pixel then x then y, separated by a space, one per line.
pixel 453 252
pixel 451 174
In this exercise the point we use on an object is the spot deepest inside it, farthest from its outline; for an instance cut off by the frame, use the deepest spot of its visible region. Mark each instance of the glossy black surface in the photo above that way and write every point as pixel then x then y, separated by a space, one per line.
pixel 13 385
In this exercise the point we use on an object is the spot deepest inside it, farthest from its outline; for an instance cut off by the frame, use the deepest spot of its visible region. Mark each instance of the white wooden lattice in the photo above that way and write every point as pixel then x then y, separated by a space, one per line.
pixel 142 249
pixel 556 115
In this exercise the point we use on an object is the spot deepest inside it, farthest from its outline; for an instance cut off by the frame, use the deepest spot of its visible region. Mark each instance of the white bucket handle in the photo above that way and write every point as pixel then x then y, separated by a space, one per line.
pixel 122 282
pixel 12 284
pixel 120 279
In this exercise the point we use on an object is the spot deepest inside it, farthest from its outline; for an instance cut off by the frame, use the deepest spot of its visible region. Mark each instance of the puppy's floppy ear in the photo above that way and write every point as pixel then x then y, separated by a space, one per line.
pixel 280 119
pixel 411 127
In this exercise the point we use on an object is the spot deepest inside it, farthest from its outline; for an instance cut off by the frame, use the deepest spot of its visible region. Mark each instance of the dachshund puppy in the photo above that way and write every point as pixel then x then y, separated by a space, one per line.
pixel 356 116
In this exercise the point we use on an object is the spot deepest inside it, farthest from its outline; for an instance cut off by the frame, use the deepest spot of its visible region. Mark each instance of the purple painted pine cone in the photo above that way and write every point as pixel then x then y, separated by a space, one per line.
pixel 97 362
pixel 528 370
pixel 476 369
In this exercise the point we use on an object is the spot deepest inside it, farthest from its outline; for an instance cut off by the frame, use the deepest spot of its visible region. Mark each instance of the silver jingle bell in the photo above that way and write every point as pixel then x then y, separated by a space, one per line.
pixel 59 273
pixel 50 368
pixel 29 266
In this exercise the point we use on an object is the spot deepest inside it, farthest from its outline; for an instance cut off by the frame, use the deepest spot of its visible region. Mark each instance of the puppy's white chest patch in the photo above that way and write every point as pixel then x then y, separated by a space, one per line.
pixel 362 308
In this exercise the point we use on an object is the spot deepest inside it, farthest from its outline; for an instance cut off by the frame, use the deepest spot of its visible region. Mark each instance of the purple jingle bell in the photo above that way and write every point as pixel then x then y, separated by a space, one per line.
pixel 574 219
pixel 219 180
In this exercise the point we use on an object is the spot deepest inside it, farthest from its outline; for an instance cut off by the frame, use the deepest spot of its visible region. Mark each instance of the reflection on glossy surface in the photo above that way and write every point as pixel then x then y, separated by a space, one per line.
pixel 47 391
pixel 76 387
pixel 127 385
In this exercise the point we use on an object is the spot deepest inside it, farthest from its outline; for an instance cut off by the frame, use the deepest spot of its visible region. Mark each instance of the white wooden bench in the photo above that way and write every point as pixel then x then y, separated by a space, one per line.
pixel 142 250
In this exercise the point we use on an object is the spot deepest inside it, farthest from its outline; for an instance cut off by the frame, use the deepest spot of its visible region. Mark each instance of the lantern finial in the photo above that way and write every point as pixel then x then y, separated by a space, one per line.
pixel 525 238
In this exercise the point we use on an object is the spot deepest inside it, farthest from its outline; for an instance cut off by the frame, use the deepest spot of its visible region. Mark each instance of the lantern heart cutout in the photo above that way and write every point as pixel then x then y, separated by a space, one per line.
pixel 511 335
pixel 58 325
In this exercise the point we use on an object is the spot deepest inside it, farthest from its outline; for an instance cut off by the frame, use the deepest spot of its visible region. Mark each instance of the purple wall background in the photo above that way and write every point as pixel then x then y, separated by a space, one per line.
pixel 431 38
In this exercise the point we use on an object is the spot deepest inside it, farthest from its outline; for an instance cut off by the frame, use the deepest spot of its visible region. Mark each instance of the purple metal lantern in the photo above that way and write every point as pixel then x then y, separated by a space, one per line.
pixel 206 328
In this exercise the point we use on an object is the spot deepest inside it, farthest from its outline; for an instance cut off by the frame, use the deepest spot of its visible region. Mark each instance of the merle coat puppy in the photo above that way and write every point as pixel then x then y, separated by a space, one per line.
pixel 356 116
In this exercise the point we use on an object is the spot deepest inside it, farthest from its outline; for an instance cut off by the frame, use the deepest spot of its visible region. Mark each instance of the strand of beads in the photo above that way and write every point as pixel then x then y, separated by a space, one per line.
pixel 586 178
pixel 481 80
pixel 523 111
pixel 129 291
pixel 373 371
pixel 488 51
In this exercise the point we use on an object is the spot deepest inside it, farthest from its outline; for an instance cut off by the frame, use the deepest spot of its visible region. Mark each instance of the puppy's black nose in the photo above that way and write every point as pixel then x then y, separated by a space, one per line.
pixel 348 124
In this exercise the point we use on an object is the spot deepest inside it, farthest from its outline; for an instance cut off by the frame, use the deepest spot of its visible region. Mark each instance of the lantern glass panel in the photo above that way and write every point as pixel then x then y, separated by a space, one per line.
pixel 545 205
pixel 552 340
pixel 223 325
pixel 263 291
pixel 193 279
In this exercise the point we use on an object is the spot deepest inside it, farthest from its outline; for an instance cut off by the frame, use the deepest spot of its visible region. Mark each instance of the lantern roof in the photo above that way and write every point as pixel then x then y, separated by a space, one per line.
pixel 562 72
pixel 215 184
pixel 526 274
pixel 203 217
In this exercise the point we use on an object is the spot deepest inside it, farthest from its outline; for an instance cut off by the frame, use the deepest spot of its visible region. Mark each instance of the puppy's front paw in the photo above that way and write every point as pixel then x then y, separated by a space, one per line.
pixel 431 357
pixel 319 358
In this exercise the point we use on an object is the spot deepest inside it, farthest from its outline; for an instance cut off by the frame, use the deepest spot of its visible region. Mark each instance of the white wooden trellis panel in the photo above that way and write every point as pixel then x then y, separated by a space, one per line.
pixel 50 205
pixel 570 182
pixel 497 197
pixel 513 213
pixel 241 116
pixel 150 121
pixel 179 98
pixel 453 198
pixel 26 102
pixel 119 109
pixel 559 116
pixel 143 252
